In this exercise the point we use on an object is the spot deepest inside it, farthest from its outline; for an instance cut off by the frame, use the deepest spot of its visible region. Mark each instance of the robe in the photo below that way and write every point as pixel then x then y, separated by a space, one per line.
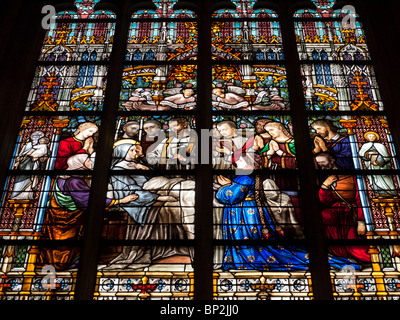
pixel 162 156
pixel 340 220
pixel 140 101
pixel 67 148
pixel 148 144
pixel 383 185
pixel 229 101
pixel 124 185
pixel 179 101
pixel 163 222
pixel 242 221
pixel 64 221
pixel 32 157
pixel 341 148
pixel 224 161
pixel 284 158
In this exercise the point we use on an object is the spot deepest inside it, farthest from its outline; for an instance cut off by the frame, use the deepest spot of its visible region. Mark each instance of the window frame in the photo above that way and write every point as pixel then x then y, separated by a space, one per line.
pixel 203 247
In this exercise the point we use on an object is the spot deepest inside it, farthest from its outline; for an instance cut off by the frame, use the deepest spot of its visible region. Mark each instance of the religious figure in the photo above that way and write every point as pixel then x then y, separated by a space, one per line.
pixel 179 98
pixel 126 154
pixel 131 130
pixel 280 150
pixel 247 216
pixel 33 156
pixel 377 157
pixel 160 211
pixel 229 98
pixel 342 213
pixel 149 140
pixel 81 142
pixel 68 202
pixel 260 138
pixel 280 153
pixel 227 144
pixel 178 151
pixel 328 139
pixel 140 99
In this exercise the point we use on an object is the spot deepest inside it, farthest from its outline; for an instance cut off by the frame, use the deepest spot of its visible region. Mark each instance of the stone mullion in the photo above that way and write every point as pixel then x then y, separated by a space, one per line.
pixel 320 270
pixel 86 280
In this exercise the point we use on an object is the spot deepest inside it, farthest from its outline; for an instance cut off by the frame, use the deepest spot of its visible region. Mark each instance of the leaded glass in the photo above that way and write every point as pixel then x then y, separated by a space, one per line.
pixel 258 39
pixel 273 187
pixel 250 87
pixel 46 195
pixel 153 161
pixel 257 202
pixel 353 150
pixel 159 88
pixel 68 88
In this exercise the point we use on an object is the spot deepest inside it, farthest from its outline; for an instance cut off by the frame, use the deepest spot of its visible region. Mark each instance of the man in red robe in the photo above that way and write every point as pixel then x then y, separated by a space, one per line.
pixel 342 214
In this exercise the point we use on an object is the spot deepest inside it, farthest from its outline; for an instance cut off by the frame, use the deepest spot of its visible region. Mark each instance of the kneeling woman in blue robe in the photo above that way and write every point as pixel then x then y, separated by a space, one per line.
pixel 242 221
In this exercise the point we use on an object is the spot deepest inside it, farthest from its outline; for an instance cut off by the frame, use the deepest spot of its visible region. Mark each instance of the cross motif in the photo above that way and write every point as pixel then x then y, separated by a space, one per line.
pixel 347 36
pixel 144 288
pixel 50 83
pixel 47 99
pixel 362 101
pixel 63 35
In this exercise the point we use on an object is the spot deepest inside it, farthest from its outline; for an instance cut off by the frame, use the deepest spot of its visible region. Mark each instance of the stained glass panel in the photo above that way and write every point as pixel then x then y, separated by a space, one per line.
pixel 173 38
pixel 46 194
pixel 258 231
pixel 330 39
pixel 165 279
pixel 335 87
pixel 257 205
pixel 159 88
pixel 353 150
pixel 250 87
pixel 266 140
pixel 258 39
pixel 178 41
pixel 69 41
pixel 155 133
pixel 68 88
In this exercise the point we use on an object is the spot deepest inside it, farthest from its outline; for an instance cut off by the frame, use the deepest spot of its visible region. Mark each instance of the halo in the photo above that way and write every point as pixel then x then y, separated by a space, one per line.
pixel 126 141
pixel 374 133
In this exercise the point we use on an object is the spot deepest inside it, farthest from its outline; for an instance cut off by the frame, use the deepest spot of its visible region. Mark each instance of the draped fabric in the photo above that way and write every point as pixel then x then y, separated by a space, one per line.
pixel 376 157
pixel 60 224
pixel 64 221
pixel 340 146
pixel 340 220
pixel 148 217
pixel 64 216
pixel 241 221
pixel 67 148
pixel 124 185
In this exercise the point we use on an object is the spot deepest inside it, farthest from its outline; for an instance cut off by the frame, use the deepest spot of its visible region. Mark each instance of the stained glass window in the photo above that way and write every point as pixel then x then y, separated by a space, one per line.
pixel 108 194
pixel 154 154
pixel 253 130
pixel 47 192
pixel 350 132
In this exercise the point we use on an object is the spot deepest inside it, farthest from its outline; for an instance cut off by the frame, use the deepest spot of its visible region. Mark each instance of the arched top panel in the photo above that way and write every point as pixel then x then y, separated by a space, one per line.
pixel 244 9
pixel 164 9
pixel 82 35
pixel 324 9
pixel 86 10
